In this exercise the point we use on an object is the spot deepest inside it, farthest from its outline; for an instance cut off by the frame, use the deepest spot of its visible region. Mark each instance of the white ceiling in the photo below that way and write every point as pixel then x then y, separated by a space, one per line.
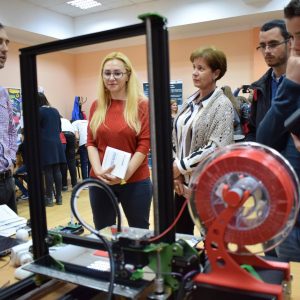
pixel 39 21
pixel 61 6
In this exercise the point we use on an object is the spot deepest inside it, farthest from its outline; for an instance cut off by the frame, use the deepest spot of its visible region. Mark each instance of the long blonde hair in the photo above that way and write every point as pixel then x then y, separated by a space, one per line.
pixel 134 94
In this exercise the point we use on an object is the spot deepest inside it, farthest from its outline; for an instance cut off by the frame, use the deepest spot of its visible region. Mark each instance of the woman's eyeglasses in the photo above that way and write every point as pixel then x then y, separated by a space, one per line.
pixel 116 74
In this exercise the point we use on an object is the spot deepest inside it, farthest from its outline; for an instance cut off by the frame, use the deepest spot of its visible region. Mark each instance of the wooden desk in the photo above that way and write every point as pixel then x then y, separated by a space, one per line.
pixel 295 270
pixel 7 272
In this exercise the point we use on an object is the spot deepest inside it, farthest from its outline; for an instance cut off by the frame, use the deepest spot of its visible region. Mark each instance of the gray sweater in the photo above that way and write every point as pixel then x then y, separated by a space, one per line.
pixel 212 127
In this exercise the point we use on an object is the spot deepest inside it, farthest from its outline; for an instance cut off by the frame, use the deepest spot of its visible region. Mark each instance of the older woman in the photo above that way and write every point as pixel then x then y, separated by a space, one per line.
pixel 204 123
pixel 119 118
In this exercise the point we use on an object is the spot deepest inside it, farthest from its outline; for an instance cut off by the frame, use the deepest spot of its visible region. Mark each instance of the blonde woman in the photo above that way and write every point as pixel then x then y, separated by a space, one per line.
pixel 119 118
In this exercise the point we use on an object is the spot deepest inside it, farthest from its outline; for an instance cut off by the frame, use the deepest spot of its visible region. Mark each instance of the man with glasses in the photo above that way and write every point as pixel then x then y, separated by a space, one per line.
pixel 274 46
pixel 271 131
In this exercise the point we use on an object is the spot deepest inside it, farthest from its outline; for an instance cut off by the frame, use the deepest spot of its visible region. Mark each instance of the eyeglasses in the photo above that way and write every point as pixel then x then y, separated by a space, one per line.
pixel 116 74
pixel 271 46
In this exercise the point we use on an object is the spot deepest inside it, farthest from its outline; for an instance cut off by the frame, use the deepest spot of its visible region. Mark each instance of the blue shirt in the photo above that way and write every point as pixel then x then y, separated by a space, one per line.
pixel 275 84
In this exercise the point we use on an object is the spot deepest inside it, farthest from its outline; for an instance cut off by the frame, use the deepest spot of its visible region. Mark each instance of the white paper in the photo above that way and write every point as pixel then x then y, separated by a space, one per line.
pixel 9 221
pixel 118 158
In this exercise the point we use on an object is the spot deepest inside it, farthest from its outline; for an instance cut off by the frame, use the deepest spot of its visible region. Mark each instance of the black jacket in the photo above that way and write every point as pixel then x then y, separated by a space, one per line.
pixel 272 132
pixel 261 103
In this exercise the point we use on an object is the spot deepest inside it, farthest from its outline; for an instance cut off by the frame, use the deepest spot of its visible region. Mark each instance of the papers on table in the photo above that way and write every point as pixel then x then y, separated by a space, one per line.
pixel 10 221
pixel 118 158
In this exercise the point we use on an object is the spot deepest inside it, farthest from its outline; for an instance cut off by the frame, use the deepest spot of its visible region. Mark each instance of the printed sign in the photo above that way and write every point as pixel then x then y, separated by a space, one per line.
pixel 175 90
pixel 16 101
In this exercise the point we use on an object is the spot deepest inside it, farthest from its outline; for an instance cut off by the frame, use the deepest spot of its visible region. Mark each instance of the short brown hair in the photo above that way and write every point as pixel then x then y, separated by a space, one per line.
pixel 214 58
pixel 292 9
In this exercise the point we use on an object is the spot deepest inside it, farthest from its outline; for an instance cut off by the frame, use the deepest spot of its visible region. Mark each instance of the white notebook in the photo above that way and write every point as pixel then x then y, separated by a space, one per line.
pixel 10 221
pixel 120 159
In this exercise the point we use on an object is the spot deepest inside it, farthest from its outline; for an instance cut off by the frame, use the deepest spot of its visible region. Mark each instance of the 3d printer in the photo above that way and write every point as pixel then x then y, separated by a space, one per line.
pixel 246 198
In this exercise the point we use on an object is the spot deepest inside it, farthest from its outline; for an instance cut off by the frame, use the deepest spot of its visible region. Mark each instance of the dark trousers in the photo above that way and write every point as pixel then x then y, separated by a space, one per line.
pixel 53 175
pixel 71 161
pixel 135 199
pixel 185 223
pixel 21 171
pixel 84 162
pixel 8 193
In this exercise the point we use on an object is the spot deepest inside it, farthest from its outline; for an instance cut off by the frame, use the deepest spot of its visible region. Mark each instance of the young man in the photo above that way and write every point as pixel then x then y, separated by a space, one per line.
pixel 274 45
pixel 8 136
pixel 271 130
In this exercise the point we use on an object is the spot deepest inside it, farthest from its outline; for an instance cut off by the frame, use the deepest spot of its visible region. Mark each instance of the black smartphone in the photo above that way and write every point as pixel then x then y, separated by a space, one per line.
pixel 292 123
pixel 245 88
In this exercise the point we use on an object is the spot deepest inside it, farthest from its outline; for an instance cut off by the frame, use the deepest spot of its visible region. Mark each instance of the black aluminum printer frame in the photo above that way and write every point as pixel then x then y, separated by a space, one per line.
pixel 155 30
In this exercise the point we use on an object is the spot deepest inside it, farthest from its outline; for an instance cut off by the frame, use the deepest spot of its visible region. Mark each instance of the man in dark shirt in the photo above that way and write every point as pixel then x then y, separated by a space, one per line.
pixel 274 45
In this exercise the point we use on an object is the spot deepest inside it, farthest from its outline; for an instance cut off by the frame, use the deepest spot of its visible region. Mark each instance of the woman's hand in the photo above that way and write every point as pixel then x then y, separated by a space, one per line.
pixel 178 185
pixel 107 177
pixel 176 171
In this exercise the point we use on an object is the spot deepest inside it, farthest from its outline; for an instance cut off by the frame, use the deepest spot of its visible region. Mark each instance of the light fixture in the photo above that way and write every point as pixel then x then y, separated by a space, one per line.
pixel 84 4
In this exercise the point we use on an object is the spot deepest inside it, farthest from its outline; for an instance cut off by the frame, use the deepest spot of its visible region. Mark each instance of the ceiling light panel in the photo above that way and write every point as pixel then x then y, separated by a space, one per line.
pixel 84 4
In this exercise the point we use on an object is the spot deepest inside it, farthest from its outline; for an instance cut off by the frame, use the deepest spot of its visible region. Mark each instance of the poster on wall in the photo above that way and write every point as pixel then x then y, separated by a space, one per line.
pixel 16 102
pixel 175 90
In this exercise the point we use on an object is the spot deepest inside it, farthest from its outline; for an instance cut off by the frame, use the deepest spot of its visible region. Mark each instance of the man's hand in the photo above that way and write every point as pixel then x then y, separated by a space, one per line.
pixel 293 69
pixel 296 141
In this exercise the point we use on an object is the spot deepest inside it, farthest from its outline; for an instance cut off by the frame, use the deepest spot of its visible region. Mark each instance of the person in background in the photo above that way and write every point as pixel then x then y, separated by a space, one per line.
pixel 271 130
pixel 52 154
pixel 233 99
pixel 8 136
pixel 174 109
pixel 237 128
pixel 245 105
pixel 69 133
pixel 119 118
pixel 274 44
pixel 81 134
pixel 63 140
pixel 21 172
pixel 245 112
pixel 64 166
pixel 204 123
